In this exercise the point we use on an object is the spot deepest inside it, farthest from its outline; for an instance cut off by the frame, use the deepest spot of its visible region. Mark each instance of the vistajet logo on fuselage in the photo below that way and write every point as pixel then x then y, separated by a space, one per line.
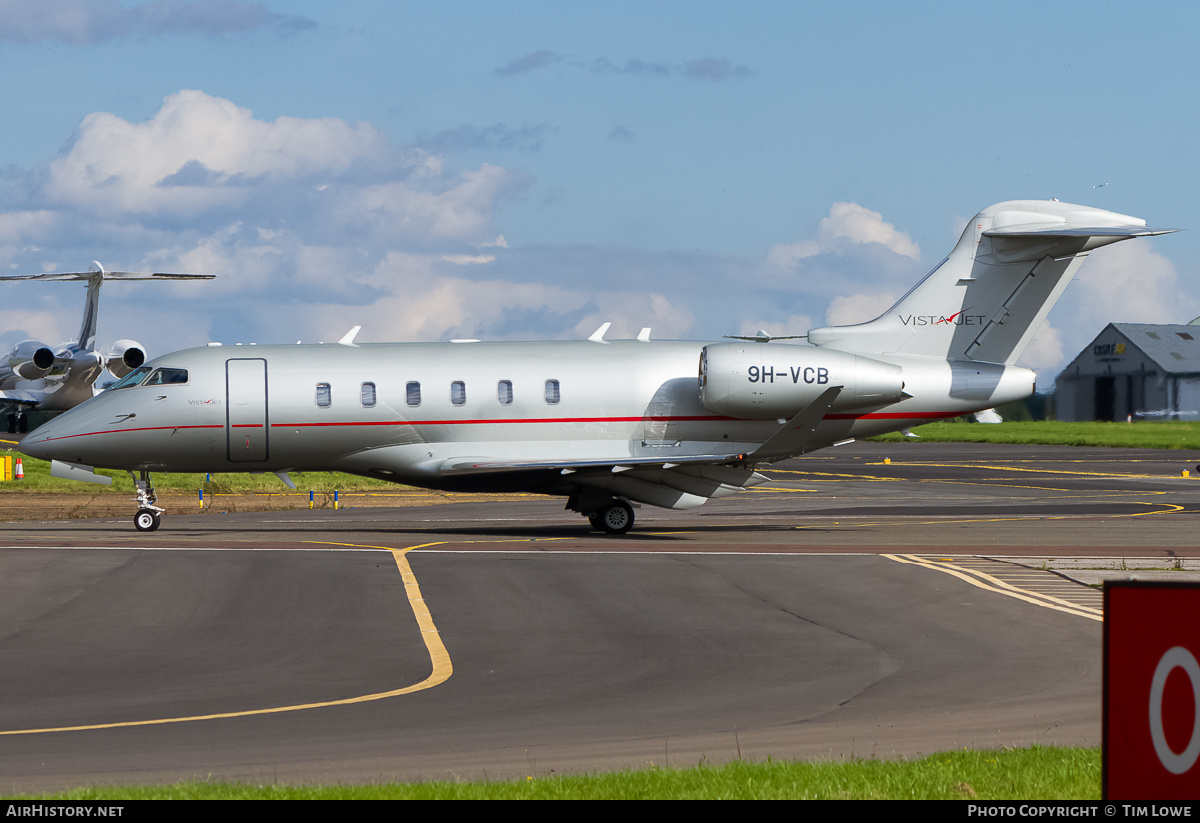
pixel 959 319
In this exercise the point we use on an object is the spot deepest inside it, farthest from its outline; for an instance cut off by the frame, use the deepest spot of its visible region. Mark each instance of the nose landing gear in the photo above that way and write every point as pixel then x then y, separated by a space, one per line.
pixel 149 516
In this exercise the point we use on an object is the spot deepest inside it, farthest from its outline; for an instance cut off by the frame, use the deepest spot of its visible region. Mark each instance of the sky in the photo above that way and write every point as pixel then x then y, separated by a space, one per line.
pixel 531 170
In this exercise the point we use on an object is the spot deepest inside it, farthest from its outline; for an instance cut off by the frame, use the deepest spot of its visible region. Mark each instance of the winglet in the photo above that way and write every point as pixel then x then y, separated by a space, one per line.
pixel 794 438
pixel 598 334
pixel 348 337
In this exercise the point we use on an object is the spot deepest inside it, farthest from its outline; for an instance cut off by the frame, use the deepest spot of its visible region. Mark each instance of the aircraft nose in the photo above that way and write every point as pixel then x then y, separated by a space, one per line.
pixel 62 438
pixel 40 443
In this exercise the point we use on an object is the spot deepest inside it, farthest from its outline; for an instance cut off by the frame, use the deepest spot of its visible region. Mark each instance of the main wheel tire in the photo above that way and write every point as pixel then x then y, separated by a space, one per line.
pixel 147 520
pixel 616 518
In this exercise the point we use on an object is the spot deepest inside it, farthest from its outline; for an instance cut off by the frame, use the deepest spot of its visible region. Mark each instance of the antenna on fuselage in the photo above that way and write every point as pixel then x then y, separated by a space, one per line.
pixel 598 334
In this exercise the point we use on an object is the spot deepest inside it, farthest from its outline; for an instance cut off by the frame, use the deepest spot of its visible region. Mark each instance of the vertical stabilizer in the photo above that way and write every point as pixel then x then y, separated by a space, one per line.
pixel 91 307
pixel 990 295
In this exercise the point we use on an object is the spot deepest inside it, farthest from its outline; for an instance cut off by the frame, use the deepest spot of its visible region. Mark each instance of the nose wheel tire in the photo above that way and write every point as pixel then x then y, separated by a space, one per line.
pixel 147 520
pixel 616 518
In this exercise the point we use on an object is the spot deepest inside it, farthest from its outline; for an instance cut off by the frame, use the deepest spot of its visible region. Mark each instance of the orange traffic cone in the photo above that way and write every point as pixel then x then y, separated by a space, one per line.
pixel 19 474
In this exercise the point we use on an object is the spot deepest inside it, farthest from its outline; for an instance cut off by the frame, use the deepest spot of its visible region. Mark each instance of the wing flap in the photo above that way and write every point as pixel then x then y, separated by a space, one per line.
pixel 481 465
pixel 669 483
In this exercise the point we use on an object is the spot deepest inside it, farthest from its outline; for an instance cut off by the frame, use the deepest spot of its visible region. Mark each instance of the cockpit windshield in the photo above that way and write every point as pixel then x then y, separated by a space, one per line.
pixel 160 377
pixel 132 379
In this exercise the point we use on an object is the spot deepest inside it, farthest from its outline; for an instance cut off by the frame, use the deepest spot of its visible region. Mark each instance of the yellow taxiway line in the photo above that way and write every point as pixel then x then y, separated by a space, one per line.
pixel 992 584
pixel 438 656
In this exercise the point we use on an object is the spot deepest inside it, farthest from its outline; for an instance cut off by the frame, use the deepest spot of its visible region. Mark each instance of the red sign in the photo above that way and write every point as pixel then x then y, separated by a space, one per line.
pixel 1151 691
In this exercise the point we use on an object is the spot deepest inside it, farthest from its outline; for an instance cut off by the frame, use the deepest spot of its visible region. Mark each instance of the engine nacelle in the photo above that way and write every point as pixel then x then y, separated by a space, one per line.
pixel 126 355
pixel 761 381
pixel 31 360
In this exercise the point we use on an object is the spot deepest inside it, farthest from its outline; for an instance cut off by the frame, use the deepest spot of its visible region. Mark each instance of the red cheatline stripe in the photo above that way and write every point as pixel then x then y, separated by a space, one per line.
pixel 687 418
pixel 123 431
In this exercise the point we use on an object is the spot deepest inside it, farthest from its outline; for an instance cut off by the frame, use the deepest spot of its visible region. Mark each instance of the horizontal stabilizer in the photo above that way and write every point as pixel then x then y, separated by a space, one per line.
pixel 988 298
pixel 108 275
pixel 1067 231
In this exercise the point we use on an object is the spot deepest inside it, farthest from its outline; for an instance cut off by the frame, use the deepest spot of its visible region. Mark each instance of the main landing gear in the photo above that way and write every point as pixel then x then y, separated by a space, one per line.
pixel 149 516
pixel 615 518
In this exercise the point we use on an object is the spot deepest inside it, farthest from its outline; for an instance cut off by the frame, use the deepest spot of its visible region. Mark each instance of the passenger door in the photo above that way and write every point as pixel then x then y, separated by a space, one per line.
pixel 246 410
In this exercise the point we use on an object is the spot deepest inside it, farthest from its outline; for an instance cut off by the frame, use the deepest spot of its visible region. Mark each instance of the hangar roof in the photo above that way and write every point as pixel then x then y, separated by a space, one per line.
pixel 1175 348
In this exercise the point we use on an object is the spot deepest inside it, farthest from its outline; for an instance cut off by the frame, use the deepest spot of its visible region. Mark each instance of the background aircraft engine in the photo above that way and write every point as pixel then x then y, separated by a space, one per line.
pixel 126 355
pixel 31 360
pixel 762 381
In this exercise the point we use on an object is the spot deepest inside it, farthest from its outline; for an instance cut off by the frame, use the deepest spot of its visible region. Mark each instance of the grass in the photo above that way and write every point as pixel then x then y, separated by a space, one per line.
pixel 1142 435
pixel 38 479
pixel 1038 772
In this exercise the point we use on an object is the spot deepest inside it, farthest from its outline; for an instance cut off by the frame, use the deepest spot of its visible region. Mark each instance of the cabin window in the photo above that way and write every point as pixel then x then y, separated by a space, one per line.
pixel 458 393
pixel 368 394
pixel 552 392
pixel 504 392
pixel 324 397
pixel 412 394
pixel 163 377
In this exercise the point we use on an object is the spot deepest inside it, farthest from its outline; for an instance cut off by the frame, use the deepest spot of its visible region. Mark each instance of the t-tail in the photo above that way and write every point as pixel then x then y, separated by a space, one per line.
pixel 990 295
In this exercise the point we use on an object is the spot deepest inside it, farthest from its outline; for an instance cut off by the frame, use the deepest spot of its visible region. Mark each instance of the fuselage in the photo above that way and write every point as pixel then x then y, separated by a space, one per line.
pixel 427 414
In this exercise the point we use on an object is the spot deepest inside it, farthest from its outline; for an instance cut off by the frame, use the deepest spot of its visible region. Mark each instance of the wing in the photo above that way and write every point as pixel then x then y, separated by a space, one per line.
pixel 670 483
pixel 22 397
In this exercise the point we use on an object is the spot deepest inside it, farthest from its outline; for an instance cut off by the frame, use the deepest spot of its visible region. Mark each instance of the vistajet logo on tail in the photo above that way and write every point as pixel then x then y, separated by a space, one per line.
pixel 958 319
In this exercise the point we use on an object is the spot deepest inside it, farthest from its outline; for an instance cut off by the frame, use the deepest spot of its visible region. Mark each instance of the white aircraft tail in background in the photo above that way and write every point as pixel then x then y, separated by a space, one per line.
pixel 35 376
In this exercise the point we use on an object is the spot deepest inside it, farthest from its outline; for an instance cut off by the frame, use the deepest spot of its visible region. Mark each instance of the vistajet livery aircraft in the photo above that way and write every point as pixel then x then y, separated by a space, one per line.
pixel 602 423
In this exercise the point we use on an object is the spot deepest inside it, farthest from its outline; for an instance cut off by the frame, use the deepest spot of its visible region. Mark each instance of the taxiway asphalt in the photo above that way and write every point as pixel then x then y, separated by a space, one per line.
pixel 851 608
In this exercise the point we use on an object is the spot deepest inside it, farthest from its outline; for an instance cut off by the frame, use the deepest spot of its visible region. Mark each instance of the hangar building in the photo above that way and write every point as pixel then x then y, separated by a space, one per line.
pixel 1137 370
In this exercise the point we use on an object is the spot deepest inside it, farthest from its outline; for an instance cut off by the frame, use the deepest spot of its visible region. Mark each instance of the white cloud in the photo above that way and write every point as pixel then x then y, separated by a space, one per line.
pixel 629 313
pixel 1044 354
pixel 1132 283
pixel 199 153
pixel 847 226
pixel 316 225
pixel 81 22
pixel 856 224
pixel 786 256
pixel 1128 282
pixel 460 211
pixel 858 308
pixel 45 326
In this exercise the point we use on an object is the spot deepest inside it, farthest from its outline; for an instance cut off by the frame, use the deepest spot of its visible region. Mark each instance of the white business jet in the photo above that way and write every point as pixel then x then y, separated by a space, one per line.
pixel 601 423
